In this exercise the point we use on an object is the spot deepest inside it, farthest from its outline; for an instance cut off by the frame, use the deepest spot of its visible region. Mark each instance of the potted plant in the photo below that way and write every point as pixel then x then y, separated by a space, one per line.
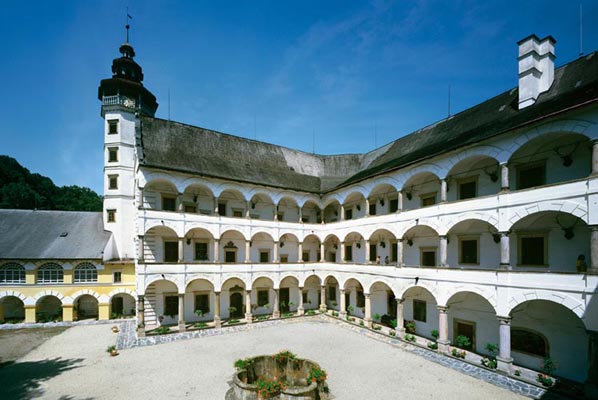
pixel 548 368
pixel 199 313
pixel 112 351
pixel 377 317
pixel 490 361
pixel 350 308
pixel 434 344
pixel 115 329
pixel 410 327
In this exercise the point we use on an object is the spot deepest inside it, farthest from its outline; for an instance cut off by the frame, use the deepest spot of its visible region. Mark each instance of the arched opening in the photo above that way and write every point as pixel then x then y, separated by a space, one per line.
pixel 232 247
pixel 161 245
pixel 160 194
pixel 161 303
pixel 332 211
pixel 199 246
pixel 421 190
pixel 86 307
pixel 311 213
pixel 122 305
pixel 383 199
pixel 383 300
pixel 550 241
pixel 262 207
pixel 288 248
pixel 473 177
pixel 289 294
pixel 12 309
pixel 287 210
pixel 199 301
pixel 332 293
pixel 12 273
pixel 332 251
pixel 472 316
pixel 354 298
pixel 473 243
pixel 420 247
pixel 198 199
pixel 311 292
pixel 262 296
pixel 550 158
pixel 231 203
pixel 232 300
pixel 565 338
pixel 48 309
pixel 420 311
pixel 262 248
pixel 354 206
pixel 85 273
pixel 311 249
pixel 383 247
pixel 354 248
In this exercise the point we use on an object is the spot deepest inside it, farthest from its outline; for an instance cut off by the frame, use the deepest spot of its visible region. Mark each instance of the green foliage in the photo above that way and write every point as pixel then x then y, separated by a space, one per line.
pixel 21 189
pixel 457 353
pixel 243 363
pixel 283 356
pixel 361 322
pixel 394 323
pixel 433 345
pixel 311 312
pixel 462 341
pixel 377 327
pixel 492 349
pixel 334 314
pixel 233 321
pixel 410 326
pixel 435 334
pixel 110 349
pixel 316 375
pixel 267 389
pixel 200 325
pixel 199 313
pixel 410 338
pixel 377 317
pixel 548 366
pixel 545 380
pixel 350 308
pixel 392 332
pixel 162 330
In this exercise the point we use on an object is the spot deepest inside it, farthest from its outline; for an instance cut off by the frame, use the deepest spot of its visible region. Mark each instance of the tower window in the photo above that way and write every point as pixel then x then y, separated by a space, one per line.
pixel 112 154
pixel 112 182
pixel 112 126
pixel 111 215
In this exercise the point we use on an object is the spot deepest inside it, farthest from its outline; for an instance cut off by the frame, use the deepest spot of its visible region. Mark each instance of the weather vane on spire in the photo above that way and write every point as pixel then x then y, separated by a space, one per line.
pixel 127 26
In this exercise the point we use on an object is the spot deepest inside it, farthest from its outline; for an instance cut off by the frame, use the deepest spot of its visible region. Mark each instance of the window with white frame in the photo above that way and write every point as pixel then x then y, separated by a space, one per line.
pixel 85 273
pixel 12 273
pixel 50 273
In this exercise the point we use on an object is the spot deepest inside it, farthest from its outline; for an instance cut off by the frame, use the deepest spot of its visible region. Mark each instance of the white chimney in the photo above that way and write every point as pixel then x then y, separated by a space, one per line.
pixel 536 68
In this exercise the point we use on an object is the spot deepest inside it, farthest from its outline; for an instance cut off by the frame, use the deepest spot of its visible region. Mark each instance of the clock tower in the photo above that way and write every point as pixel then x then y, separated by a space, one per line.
pixel 124 99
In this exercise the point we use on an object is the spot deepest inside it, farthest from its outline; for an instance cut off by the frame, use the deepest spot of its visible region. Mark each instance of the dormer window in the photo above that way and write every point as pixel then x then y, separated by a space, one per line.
pixel 112 126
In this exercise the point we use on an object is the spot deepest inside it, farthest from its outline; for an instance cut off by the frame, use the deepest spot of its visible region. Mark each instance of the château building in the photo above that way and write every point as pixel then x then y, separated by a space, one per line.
pixel 484 224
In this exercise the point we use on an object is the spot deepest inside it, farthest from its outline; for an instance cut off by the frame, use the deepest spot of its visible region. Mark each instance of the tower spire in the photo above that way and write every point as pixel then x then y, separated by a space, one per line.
pixel 127 26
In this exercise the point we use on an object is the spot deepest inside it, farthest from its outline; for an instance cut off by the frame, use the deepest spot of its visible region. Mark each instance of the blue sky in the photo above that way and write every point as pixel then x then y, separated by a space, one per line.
pixel 358 74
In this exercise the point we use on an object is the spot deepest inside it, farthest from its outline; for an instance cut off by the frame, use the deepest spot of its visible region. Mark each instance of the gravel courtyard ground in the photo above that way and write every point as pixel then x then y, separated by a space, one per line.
pixel 75 366
pixel 14 344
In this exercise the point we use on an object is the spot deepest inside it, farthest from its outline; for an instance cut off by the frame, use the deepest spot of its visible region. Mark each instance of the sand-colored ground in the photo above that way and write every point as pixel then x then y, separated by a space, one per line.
pixel 74 365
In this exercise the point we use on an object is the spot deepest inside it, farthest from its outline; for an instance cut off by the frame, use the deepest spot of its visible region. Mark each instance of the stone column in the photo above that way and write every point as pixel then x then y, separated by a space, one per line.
pixel 400 319
pixel 248 209
pixel 343 310
pixel 275 253
pixel 442 249
pixel 300 215
pixel 216 250
pixel 275 212
pixel 141 249
pixel 591 384
pixel 443 342
pixel 323 298
pixel 215 206
pixel 140 197
pixel 300 252
pixel 217 323
pixel 367 207
pixel 399 201
pixel 342 251
pixel 504 177
pixel 595 157
pixel 367 251
pixel 300 309
pixel 342 213
pixel 182 327
pixel 181 249
pixel 400 262
pixel 248 251
pixel 594 249
pixel 505 362
pixel 141 315
pixel 368 310
pixel 248 316
pixel 322 252
pixel 180 207
pixel 505 251
pixel 443 190
pixel 276 312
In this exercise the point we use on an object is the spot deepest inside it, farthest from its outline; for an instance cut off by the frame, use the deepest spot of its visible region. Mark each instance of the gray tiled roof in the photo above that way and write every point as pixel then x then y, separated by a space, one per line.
pixel 34 234
pixel 175 146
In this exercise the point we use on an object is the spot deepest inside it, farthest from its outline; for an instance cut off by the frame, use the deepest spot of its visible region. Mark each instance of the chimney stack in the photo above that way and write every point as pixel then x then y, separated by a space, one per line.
pixel 536 68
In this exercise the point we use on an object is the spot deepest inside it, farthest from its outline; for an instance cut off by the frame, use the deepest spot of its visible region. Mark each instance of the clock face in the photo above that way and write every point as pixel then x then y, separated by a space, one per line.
pixel 129 102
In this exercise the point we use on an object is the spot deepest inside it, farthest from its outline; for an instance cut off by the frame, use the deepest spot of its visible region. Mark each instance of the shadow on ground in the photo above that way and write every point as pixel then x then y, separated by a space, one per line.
pixel 22 380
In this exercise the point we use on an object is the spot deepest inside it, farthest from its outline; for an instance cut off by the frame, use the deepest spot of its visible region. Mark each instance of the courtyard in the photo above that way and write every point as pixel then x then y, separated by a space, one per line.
pixel 74 365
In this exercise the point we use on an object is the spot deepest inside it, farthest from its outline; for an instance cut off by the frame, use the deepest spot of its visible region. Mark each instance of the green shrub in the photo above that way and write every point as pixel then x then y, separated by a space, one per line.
pixel 162 330
pixel 267 389
pixel 243 363
pixel 311 312
pixel 316 375
pixel 200 325
pixel 377 317
pixel 462 341
pixel 435 334
pixel 433 345
pixel 410 338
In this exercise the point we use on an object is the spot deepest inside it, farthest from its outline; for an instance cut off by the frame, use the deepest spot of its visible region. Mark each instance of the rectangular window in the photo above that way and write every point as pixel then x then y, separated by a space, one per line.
pixel 171 251
pixel 360 299
pixel 263 297
pixel 348 252
pixel 201 251
pixel 394 205
pixel 347 298
pixel 348 214
pixel 306 256
pixel 171 305
pixel 531 175
pixel 394 252
pixel 112 182
pixel 428 199
pixel 284 259
pixel 238 213
pixel 373 208
pixel 230 256
pixel 168 203
pixel 467 329
pixel 331 293
pixel 190 209
pixel 112 126
pixel 117 277
pixel 428 258
pixel 373 252
pixel 532 250
pixel 468 189
pixel 112 154
pixel 280 216
pixel 222 209
pixel 468 251
pixel 202 302
pixel 419 310
pixel 264 256
pixel 305 220
pixel 111 215
pixel 305 297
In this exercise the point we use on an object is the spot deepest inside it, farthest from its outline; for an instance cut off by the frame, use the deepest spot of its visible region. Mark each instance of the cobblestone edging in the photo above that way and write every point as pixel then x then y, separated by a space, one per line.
pixel 27 325
pixel 127 338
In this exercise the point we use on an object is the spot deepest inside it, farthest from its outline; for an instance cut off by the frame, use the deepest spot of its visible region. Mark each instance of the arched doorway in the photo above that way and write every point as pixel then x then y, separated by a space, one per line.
pixel 12 309
pixel 48 308
pixel 122 305
pixel 87 307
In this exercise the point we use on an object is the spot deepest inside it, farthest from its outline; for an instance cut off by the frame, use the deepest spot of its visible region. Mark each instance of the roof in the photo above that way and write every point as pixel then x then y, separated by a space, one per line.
pixel 34 234
pixel 179 147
